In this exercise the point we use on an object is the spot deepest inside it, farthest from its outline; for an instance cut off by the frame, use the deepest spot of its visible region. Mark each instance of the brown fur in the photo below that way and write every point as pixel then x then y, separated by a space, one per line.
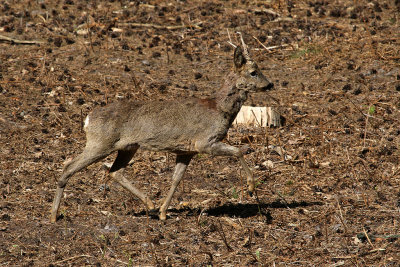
pixel 184 127
pixel 208 103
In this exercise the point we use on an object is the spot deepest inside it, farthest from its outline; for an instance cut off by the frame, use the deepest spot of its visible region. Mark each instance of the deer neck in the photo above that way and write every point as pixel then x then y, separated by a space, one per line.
pixel 230 98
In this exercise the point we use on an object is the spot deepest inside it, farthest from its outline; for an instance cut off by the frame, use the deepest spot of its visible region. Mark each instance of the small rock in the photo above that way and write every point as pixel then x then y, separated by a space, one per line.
pixel 38 154
pixel 105 212
pixel 268 163
pixel 82 32
pixel 146 62
pixel 325 164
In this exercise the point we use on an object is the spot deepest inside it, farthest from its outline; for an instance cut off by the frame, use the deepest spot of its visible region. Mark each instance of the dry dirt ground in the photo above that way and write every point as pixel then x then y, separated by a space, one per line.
pixel 332 198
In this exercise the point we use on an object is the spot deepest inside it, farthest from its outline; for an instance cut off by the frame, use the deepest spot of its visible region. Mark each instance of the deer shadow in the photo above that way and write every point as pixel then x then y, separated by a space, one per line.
pixel 234 210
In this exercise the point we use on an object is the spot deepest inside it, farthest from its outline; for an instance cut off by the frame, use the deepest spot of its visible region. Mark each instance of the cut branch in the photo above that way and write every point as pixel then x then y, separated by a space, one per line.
pixel 16 41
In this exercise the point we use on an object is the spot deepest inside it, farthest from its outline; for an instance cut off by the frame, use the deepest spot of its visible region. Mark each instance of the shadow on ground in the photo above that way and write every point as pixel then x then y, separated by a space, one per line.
pixel 235 210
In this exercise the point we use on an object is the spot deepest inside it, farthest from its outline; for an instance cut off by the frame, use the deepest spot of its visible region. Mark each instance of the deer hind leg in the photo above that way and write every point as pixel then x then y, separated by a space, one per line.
pixel 182 161
pixel 90 155
pixel 222 149
pixel 122 160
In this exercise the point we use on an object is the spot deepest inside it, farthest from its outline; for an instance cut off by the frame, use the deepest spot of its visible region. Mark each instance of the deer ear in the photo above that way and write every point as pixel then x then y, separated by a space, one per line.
pixel 238 58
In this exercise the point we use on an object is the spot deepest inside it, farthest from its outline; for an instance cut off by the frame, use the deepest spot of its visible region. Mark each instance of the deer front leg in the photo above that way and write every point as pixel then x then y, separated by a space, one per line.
pixel 222 149
pixel 182 161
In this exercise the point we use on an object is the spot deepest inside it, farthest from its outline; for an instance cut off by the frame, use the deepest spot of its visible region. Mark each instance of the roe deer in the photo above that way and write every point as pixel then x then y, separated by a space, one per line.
pixel 184 127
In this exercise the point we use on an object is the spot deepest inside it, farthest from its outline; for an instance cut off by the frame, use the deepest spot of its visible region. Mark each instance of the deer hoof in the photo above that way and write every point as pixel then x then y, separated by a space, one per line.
pixel 150 205
pixel 53 219
pixel 163 216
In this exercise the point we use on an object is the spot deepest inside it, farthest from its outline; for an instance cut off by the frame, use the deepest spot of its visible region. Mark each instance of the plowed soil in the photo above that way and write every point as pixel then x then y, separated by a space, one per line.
pixel 331 198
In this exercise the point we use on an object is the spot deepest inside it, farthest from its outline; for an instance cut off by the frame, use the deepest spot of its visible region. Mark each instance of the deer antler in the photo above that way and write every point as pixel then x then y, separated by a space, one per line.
pixel 245 50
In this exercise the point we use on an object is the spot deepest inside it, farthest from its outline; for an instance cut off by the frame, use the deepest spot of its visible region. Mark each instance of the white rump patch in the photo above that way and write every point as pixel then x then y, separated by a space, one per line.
pixel 86 124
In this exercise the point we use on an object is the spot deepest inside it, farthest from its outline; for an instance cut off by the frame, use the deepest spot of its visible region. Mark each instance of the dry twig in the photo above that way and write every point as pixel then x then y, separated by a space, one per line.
pixel 162 27
pixel 270 47
pixel 17 41
pixel 223 236
pixel 72 258
pixel 341 217
pixel 368 239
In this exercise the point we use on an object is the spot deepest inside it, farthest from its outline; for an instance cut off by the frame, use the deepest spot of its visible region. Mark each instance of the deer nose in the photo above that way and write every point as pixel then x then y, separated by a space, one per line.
pixel 268 87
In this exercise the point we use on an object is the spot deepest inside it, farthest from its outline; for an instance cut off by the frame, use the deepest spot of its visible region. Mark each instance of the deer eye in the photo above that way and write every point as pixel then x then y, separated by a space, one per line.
pixel 253 73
